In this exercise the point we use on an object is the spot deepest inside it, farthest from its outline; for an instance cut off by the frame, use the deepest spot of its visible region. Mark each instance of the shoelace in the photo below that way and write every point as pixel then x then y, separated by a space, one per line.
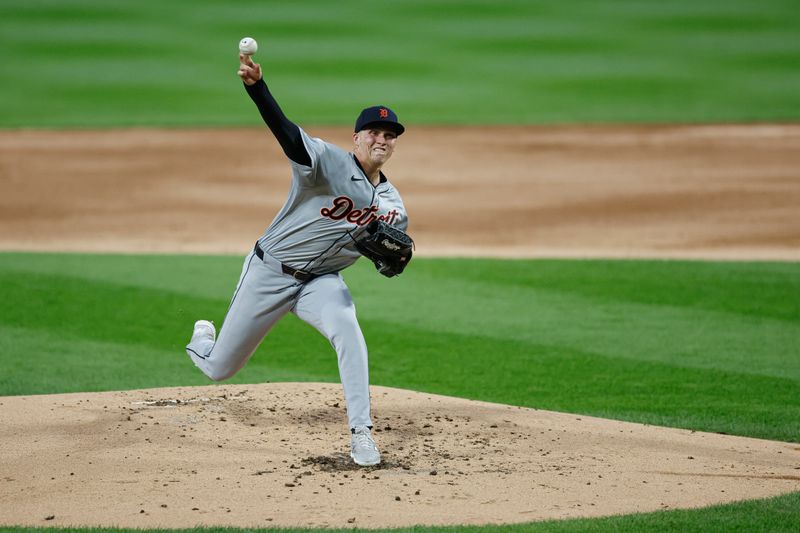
pixel 364 440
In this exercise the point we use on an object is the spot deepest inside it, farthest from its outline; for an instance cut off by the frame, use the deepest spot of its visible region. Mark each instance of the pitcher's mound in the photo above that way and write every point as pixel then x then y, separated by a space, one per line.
pixel 277 454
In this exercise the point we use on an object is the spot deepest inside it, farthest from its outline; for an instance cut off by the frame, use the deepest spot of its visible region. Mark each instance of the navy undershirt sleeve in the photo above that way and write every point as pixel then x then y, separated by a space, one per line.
pixel 286 131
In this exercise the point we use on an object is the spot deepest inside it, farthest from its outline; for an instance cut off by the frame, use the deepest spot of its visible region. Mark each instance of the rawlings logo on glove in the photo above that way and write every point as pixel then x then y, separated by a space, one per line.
pixel 388 247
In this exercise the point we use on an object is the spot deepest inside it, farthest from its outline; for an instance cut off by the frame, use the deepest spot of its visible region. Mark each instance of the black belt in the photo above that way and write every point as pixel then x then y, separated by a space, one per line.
pixel 299 275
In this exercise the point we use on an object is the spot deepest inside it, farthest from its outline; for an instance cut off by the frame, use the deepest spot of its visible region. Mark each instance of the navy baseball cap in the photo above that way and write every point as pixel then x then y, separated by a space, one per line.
pixel 379 115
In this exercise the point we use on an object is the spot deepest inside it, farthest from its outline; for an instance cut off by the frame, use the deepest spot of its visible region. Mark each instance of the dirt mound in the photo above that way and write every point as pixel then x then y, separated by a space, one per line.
pixel 278 455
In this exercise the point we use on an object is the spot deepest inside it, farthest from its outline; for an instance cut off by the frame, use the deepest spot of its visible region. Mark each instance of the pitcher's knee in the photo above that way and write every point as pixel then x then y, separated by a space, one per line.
pixel 220 373
pixel 214 372
pixel 341 322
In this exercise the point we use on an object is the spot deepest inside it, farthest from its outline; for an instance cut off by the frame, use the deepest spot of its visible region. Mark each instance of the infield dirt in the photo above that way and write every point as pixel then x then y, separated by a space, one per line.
pixel 649 191
pixel 275 454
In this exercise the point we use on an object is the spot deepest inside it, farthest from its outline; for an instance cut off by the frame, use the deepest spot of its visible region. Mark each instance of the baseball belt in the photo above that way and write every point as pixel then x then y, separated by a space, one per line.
pixel 299 275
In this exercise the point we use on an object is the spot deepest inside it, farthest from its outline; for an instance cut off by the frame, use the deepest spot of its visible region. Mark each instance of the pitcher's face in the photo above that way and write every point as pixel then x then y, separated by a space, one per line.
pixel 375 145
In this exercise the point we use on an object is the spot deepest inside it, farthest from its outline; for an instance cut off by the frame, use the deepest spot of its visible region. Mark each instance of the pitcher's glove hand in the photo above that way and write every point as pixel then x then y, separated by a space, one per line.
pixel 386 246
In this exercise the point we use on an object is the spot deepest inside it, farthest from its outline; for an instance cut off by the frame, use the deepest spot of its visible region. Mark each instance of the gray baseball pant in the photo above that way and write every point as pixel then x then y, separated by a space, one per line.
pixel 263 296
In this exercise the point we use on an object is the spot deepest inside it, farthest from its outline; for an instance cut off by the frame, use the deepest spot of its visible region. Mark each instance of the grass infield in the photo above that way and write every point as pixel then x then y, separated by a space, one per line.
pixel 85 63
pixel 700 345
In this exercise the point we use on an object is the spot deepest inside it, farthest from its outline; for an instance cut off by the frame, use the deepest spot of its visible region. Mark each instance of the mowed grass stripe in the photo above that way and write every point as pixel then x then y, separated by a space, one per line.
pixel 724 312
pixel 548 302
pixel 562 379
pixel 561 335
pixel 40 362
pixel 576 305
pixel 435 61
pixel 509 372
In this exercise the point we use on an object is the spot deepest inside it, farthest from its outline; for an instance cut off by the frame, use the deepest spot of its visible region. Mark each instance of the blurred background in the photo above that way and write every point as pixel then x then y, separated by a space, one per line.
pixel 87 64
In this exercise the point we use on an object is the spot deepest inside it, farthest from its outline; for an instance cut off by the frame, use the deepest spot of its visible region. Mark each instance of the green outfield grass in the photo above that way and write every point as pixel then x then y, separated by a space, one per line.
pixel 706 346
pixel 85 63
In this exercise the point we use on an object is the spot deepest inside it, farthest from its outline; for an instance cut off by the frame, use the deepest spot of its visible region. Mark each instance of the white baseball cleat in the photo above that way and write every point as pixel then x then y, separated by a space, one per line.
pixel 204 328
pixel 362 447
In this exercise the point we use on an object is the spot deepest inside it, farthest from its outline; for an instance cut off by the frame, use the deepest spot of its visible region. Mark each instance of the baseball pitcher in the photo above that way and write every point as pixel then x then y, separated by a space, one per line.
pixel 340 207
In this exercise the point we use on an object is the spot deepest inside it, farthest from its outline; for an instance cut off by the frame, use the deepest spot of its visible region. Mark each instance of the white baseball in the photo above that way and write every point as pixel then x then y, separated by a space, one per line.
pixel 248 46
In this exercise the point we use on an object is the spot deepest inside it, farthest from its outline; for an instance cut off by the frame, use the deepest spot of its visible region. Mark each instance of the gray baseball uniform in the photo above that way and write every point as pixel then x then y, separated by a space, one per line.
pixel 295 267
